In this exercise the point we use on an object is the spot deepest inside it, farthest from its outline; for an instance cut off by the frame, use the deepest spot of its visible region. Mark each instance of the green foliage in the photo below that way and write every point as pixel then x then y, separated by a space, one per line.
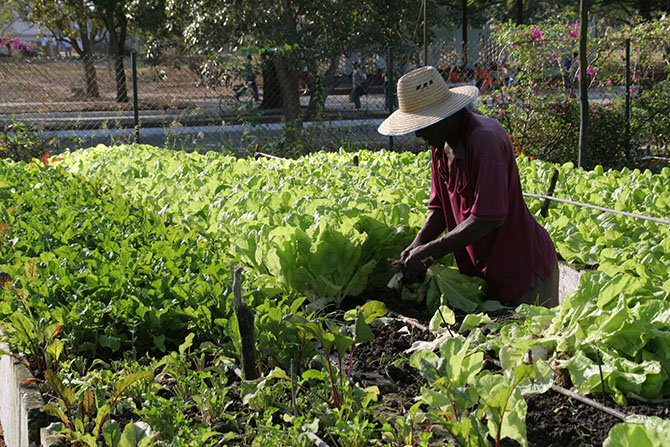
pixel 84 418
pixel 586 237
pixel 82 254
pixel 307 229
pixel 401 430
pixel 450 288
pixel 651 431
pixel 541 109
pixel 473 404
pixel 136 266
pixel 21 141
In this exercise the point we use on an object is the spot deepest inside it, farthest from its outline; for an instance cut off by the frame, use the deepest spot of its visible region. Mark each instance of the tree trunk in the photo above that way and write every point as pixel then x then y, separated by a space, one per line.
pixel 644 8
pixel 583 84
pixel 117 35
pixel 271 90
pixel 519 12
pixel 86 56
pixel 320 86
pixel 288 84
pixel 288 73
pixel 120 74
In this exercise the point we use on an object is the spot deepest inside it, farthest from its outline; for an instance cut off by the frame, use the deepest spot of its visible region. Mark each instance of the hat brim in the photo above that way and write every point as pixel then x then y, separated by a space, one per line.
pixel 402 123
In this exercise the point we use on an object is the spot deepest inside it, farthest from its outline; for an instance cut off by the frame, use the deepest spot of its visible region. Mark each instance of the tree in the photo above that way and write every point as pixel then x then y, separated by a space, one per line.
pixel 83 23
pixel 625 10
pixel 291 34
pixel 6 16
pixel 74 22
pixel 112 13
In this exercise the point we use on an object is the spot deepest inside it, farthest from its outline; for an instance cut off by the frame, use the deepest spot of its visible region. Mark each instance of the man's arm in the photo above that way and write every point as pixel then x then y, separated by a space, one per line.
pixel 432 228
pixel 466 233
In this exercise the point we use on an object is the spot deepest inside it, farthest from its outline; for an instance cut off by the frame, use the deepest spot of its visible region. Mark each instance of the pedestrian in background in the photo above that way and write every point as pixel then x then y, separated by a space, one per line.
pixel 357 79
pixel 54 46
pixel 250 78
pixel 46 46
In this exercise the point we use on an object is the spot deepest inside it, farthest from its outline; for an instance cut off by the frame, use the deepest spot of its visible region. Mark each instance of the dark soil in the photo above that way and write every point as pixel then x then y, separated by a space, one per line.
pixel 555 420
pixel 552 419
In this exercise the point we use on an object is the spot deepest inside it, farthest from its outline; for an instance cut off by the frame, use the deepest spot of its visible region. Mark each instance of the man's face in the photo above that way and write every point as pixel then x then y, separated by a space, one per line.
pixel 434 135
pixel 445 131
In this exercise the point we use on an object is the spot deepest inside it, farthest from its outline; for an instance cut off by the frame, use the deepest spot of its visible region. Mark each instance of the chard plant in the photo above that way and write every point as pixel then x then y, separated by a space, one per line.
pixel 342 408
pixel 85 419
pixel 475 405
pixel 402 431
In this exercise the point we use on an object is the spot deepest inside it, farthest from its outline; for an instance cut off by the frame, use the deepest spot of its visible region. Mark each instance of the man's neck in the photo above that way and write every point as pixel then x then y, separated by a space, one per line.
pixel 454 128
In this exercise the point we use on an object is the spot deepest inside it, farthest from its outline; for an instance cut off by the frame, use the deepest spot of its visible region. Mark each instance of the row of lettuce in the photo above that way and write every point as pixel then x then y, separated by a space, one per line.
pixel 117 253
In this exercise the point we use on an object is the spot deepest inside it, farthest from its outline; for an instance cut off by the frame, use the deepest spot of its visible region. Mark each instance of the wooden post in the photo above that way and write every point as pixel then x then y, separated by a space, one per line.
pixel 245 322
pixel 552 184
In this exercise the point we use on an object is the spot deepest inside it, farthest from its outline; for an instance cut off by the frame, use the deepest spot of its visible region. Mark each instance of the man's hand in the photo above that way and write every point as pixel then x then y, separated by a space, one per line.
pixel 416 262
pixel 405 253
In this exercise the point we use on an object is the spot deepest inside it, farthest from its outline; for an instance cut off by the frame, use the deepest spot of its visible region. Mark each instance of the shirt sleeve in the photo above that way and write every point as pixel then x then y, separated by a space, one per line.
pixel 491 183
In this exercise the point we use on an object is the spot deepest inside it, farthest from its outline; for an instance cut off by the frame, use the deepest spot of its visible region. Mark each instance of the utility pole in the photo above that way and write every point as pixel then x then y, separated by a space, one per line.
pixel 583 84
pixel 425 34
pixel 464 19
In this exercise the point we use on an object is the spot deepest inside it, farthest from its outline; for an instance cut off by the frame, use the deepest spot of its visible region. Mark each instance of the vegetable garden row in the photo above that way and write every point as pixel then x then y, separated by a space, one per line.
pixel 117 291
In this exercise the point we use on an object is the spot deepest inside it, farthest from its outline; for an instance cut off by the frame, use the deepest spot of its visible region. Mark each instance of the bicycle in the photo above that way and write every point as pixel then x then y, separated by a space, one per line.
pixel 303 82
pixel 242 98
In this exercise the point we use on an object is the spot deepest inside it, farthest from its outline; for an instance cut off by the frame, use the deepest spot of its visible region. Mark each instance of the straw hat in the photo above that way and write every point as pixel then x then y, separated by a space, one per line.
pixel 424 99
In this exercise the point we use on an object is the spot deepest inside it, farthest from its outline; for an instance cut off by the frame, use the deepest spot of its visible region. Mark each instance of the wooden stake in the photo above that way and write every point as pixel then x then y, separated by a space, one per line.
pixel 245 322
pixel 552 185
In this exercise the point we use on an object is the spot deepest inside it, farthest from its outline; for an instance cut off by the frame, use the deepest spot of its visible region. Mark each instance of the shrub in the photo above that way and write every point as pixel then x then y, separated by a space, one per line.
pixel 22 141
pixel 542 110
pixel 548 128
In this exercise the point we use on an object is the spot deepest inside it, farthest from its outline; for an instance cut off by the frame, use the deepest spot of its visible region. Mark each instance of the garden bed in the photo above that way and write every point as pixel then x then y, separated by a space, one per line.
pixel 552 419
pixel 125 255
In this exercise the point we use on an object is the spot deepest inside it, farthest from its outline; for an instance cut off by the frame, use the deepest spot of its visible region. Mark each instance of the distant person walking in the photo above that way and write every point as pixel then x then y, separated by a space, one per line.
pixel 46 46
pixel 54 46
pixel 570 73
pixel 249 77
pixel 357 79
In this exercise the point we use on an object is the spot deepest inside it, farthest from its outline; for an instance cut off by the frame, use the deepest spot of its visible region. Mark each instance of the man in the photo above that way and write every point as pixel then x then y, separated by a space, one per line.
pixel 357 78
pixel 475 195
pixel 249 78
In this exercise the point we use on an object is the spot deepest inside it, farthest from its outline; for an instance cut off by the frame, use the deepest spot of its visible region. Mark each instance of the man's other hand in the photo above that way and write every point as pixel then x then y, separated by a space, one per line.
pixel 416 263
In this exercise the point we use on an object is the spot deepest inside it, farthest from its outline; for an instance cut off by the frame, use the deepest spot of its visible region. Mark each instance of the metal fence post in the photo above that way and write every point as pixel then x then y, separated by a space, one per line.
pixel 627 111
pixel 390 96
pixel 135 103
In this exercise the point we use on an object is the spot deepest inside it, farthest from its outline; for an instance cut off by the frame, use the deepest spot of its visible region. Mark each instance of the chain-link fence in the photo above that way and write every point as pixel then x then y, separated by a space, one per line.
pixel 78 103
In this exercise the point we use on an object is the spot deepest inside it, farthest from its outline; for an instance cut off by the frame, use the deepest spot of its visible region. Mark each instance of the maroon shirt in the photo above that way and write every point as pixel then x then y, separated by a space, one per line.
pixel 483 182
